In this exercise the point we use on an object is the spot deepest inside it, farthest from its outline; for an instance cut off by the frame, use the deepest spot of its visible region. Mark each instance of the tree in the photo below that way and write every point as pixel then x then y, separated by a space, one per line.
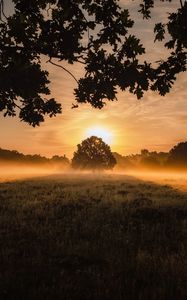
pixel 123 162
pixel 178 155
pixel 93 154
pixel 60 160
pixel 94 33
pixel 145 153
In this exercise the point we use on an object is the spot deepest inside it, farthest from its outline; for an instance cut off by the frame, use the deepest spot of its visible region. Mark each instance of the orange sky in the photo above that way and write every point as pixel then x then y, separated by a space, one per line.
pixel 155 122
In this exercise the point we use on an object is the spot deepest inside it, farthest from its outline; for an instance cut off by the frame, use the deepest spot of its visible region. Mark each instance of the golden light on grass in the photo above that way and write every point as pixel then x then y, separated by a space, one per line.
pixel 100 132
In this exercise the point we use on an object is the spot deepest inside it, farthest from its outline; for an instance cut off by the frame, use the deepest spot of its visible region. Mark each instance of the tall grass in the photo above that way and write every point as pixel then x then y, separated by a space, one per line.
pixel 92 238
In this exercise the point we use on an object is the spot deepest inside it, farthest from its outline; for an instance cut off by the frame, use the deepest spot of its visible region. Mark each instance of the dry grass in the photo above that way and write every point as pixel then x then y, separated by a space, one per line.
pixel 111 237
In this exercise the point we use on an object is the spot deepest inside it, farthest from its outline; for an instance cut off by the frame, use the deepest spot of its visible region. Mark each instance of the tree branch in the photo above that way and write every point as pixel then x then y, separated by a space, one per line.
pixel 87 30
pixel 20 48
pixel 181 3
pixel 51 62
pixel 17 106
pixel 81 62
pixel 77 59
pixel 2 13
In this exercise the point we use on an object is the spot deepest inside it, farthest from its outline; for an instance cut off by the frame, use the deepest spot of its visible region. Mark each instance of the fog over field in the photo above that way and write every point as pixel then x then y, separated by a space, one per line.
pixel 14 171
pixel 11 172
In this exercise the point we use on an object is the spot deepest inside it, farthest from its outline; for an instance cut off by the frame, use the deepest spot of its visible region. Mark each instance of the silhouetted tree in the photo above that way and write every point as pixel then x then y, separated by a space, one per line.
pixel 178 155
pixel 78 32
pixel 144 152
pixel 93 154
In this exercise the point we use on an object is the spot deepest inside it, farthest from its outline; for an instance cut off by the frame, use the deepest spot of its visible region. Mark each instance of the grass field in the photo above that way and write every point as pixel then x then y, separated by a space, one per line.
pixel 93 237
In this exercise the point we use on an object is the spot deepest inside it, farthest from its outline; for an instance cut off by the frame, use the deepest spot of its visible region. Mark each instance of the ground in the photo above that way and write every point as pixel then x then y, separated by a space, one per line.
pixel 92 237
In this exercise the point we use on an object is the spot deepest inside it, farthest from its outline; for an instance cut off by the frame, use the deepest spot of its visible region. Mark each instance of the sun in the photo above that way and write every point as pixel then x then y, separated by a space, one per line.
pixel 100 132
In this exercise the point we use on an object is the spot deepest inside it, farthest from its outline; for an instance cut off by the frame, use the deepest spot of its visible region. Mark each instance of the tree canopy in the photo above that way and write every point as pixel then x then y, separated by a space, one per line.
pixel 94 33
pixel 178 155
pixel 93 154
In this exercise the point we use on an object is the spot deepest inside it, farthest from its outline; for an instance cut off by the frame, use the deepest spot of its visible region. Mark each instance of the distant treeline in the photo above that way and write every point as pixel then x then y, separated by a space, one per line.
pixel 176 158
pixel 17 157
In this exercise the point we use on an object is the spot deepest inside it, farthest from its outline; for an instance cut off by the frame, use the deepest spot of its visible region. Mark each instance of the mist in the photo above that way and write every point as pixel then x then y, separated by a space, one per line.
pixel 12 171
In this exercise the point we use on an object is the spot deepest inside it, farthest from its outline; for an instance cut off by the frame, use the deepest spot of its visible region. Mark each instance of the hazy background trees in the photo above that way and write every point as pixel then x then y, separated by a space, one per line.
pixel 93 153
pixel 178 156
pixel 8 156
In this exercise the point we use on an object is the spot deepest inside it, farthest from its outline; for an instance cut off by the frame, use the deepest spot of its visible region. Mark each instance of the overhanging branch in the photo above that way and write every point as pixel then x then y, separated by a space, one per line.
pixel 59 66
pixel 2 13
pixel 181 3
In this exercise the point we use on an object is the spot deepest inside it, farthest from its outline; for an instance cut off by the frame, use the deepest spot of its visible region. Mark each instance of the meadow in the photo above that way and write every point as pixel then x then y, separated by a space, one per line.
pixel 92 237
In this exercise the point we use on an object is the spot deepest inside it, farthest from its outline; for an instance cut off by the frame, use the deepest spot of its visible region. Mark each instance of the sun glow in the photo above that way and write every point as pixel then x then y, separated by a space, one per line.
pixel 100 132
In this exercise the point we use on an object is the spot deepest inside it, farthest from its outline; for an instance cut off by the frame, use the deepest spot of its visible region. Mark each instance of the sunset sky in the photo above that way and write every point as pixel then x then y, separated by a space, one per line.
pixel 154 122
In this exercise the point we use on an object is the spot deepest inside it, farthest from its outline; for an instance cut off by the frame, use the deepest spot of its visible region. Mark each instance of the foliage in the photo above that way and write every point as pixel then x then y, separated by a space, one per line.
pixel 176 158
pixel 150 160
pixel 93 154
pixel 178 155
pixel 94 33
pixel 20 158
